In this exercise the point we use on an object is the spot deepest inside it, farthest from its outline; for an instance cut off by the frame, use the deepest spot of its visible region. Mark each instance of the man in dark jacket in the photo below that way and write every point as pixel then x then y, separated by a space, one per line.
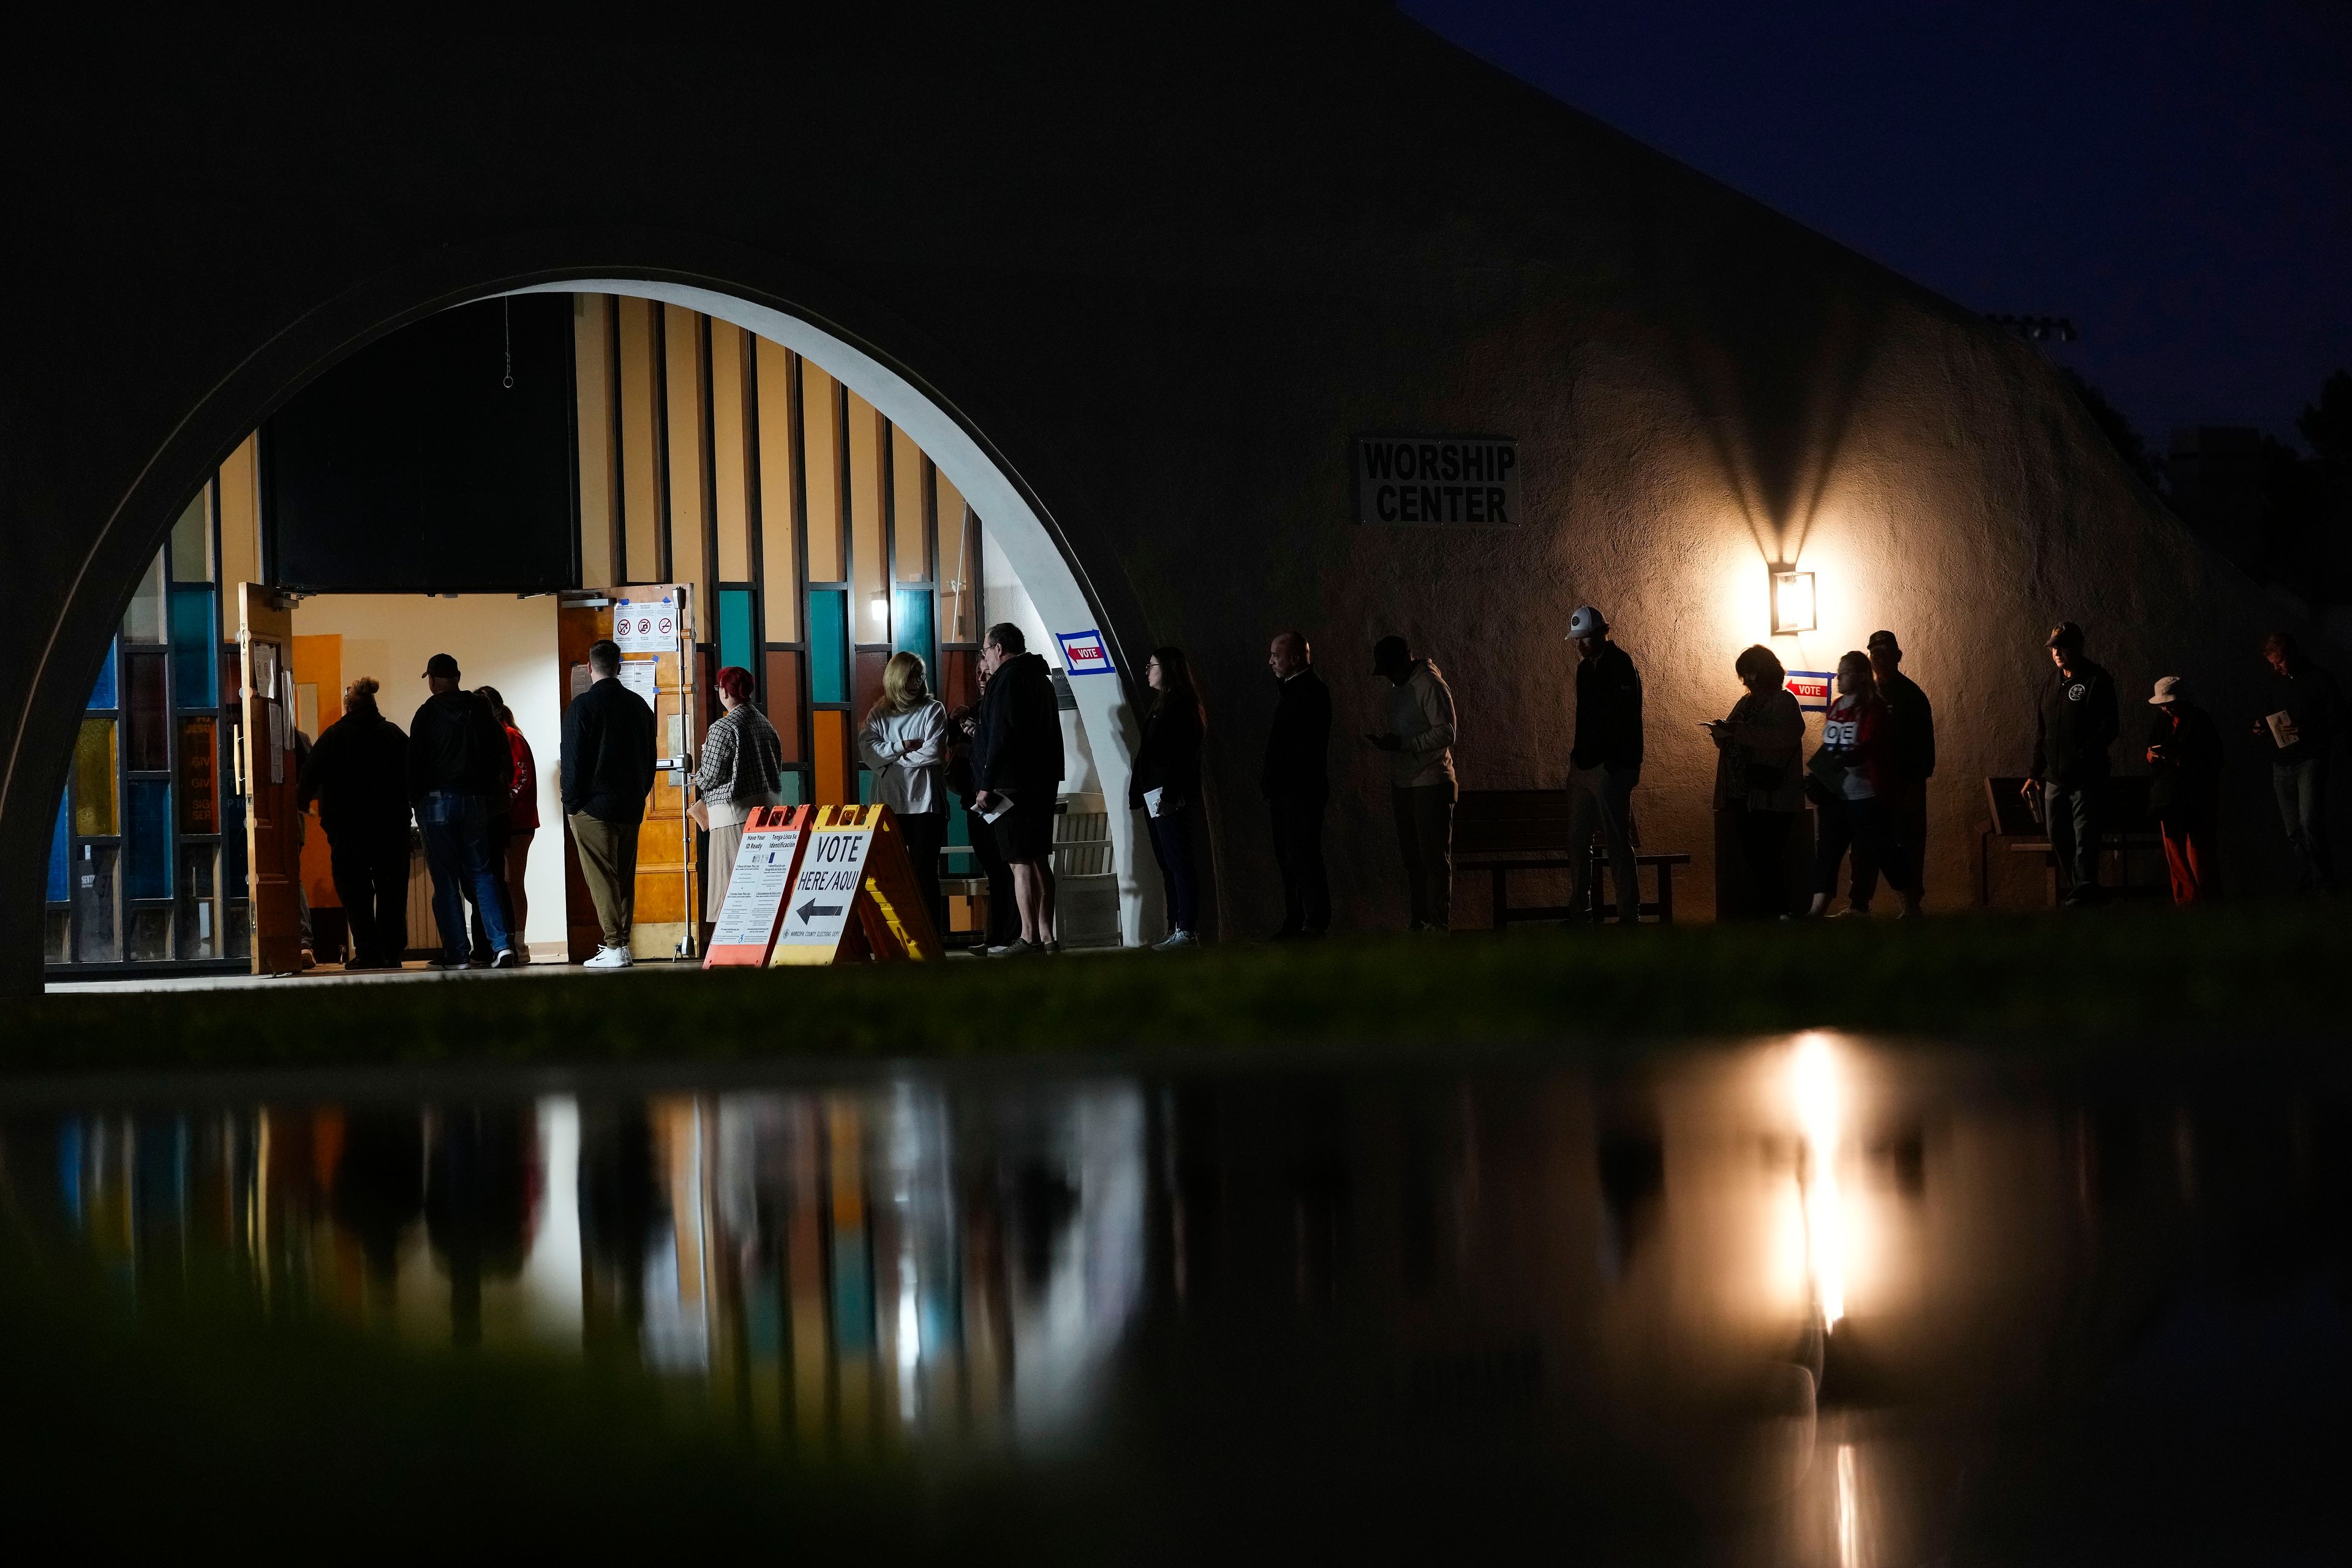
pixel 608 771
pixel 1295 781
pixel 358 772
pixel 2184 790
pixel 1605 762
pixel 2302 730
pixel 460 769
pixel 1016 766
pixel 2072 733
pixel 1911 756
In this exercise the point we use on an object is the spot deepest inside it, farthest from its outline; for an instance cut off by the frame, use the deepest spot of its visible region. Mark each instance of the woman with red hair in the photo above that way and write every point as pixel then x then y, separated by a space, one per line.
pixel 742 769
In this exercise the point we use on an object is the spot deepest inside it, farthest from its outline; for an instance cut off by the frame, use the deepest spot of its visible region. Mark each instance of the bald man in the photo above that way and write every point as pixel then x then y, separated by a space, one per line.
pixel 1295 781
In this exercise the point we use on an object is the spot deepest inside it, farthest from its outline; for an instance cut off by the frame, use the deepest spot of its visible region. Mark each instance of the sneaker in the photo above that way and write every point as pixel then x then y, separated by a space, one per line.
pixel 1851 912
pixel 1175 940
pixel 1018 947
pixel 610 958
pixel 506 960
pixel 449 966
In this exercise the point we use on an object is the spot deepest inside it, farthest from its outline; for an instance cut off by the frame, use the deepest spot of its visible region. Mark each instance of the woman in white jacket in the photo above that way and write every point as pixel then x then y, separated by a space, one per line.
pixel 905 741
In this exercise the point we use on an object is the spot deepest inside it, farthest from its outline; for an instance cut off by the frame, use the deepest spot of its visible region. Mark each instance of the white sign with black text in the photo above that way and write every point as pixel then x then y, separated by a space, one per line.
pixel 1437 481
pixel 646 626
pixel 832 870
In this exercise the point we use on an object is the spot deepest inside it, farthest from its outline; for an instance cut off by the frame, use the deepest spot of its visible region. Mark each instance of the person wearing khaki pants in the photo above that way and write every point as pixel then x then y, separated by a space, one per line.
pixel 608 771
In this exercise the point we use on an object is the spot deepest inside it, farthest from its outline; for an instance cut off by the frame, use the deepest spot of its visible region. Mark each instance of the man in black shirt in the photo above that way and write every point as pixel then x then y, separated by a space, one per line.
pixel 608 771
pixel 358 772
pixel 461 768
pixel 1605 762
pixel 2072 733
pixel 1295 781
pixel 1017 764
pixel 1911 721
pixel 2302 733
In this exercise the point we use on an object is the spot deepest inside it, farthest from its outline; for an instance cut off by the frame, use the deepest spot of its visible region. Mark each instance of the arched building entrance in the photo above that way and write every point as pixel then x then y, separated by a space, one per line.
pixel 124 841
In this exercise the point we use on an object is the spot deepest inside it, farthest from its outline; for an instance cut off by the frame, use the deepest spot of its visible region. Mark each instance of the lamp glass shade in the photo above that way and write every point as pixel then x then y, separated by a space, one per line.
pixel 1792 602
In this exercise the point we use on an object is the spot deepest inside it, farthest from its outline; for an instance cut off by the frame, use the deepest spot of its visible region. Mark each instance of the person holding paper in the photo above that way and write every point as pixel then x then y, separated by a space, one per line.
pixel 1165 786
pixel 905 741
pixel 742 769
pixel 2306 722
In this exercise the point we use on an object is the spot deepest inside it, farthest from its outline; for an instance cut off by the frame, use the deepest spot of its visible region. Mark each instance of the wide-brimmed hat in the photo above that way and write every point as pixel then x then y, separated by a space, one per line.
pixel 2168 691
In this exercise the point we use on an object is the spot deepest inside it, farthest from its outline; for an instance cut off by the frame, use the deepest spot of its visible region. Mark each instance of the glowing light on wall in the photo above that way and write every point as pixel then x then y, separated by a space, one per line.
pixel 1794 609
pixel 1821 1109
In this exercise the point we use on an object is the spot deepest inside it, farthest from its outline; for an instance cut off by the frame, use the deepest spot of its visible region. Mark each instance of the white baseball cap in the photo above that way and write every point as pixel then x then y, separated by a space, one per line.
pixel 1587 622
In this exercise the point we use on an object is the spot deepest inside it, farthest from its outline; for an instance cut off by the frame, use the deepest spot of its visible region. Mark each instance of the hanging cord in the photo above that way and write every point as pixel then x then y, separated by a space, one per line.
pixel 508 315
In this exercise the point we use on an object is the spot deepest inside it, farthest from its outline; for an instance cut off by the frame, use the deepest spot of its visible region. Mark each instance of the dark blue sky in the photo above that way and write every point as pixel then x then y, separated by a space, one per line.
pixel 2177 177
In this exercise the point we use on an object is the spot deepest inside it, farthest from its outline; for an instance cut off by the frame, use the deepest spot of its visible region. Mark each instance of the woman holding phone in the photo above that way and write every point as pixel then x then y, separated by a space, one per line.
pixel 1756 779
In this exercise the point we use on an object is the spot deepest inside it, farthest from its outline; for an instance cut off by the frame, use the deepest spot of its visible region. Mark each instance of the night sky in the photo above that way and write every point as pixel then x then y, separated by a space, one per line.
pixel 2176 177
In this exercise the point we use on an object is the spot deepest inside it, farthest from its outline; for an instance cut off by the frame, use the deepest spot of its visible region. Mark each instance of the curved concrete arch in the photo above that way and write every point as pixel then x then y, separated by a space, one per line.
pixel 1036 555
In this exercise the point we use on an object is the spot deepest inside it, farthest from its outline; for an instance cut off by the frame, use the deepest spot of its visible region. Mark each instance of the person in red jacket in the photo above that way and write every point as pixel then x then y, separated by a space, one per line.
pixel 511 833
pixel 1851 780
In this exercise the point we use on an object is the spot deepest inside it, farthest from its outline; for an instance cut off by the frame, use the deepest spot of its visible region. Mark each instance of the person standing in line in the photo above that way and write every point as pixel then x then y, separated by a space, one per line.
pixel 2184 791
pixel 460 770
pixel 2303 731
pixel 1166 787
pixel 1757 776
pixel 1017 777
pixel 1605 762
pixel 1911 751
pixel 512 826
pixel 1003 925
pixel 1422 782
pixel 358 772
pixel 608 772
pixel 906 743
pixel 1295 781
pixel 742 769
pixel 1847 779
pixel 2073 731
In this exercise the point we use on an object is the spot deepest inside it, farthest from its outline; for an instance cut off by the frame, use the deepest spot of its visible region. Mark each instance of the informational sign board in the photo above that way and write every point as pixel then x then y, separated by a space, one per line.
pixel 824 898
pixel 854 896
pixel 642 676
pixel 1085 653
pixel 646 626
pixel 766 866
pixel 1813 688
pixel 1437 481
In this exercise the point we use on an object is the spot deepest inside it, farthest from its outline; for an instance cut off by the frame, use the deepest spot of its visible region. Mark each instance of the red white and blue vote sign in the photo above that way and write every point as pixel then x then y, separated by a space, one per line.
pixel 1812 688
pixel 1083 653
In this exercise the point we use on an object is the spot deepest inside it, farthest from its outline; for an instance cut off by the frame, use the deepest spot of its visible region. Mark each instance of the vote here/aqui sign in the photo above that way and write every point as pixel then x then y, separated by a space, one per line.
pixel 1441 481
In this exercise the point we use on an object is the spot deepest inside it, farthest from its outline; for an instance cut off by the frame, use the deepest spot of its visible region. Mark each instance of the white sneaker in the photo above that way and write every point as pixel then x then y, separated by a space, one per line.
pixel 1174 940
pixel 610 958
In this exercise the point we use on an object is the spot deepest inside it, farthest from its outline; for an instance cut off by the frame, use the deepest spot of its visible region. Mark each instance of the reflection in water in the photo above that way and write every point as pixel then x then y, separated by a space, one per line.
pixel 1792 1295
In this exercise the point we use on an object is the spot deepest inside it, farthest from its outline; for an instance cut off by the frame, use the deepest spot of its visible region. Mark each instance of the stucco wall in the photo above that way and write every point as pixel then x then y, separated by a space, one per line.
pixel 1160 265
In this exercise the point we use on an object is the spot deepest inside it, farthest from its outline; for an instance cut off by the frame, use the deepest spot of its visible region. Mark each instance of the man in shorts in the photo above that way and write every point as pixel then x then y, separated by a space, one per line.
pixel 1016 758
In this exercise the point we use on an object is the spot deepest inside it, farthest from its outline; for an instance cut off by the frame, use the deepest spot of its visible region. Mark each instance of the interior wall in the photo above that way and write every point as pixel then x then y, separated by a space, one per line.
pixel 497 640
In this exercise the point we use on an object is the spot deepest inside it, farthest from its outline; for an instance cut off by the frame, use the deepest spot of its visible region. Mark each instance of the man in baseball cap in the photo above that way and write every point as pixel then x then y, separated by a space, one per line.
pixel 1604 760
pixel 461 768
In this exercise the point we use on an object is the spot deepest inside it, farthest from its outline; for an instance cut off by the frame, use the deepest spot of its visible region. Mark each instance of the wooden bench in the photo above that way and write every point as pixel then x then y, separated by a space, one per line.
pixel 2127 822
pixel 1500 831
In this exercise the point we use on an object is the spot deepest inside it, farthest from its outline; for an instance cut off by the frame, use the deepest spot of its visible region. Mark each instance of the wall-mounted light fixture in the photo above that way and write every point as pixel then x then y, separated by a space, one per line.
pixel 1792 602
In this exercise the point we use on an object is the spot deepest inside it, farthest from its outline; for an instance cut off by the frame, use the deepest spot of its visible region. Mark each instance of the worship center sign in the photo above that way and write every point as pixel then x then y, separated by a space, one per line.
pixel 1444 482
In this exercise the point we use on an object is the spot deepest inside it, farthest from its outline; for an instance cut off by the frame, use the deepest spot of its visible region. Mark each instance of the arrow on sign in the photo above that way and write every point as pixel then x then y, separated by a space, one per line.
pixel 814 908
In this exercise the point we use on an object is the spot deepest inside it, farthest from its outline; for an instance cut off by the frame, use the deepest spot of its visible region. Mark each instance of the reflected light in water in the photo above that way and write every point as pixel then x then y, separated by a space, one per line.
pixel 1820 1109
pixel 1849 1532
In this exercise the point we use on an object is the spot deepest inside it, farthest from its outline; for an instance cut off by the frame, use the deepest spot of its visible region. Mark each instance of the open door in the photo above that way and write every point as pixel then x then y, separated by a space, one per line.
pixel 660 665
pixel 264 641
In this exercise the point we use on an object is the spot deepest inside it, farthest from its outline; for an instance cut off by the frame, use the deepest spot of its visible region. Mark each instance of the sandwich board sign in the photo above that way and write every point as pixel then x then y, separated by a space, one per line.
pixel 855 896
pixel 766 866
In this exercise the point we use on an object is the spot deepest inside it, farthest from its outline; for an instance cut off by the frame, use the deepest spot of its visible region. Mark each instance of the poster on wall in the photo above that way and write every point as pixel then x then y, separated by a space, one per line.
pixel 1811 688
pixel 646 626
pixel 1437 481
pixel 643 676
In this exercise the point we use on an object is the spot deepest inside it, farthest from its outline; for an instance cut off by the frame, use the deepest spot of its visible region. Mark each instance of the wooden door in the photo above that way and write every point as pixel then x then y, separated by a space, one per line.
pixel 265 642
pixel 668 890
